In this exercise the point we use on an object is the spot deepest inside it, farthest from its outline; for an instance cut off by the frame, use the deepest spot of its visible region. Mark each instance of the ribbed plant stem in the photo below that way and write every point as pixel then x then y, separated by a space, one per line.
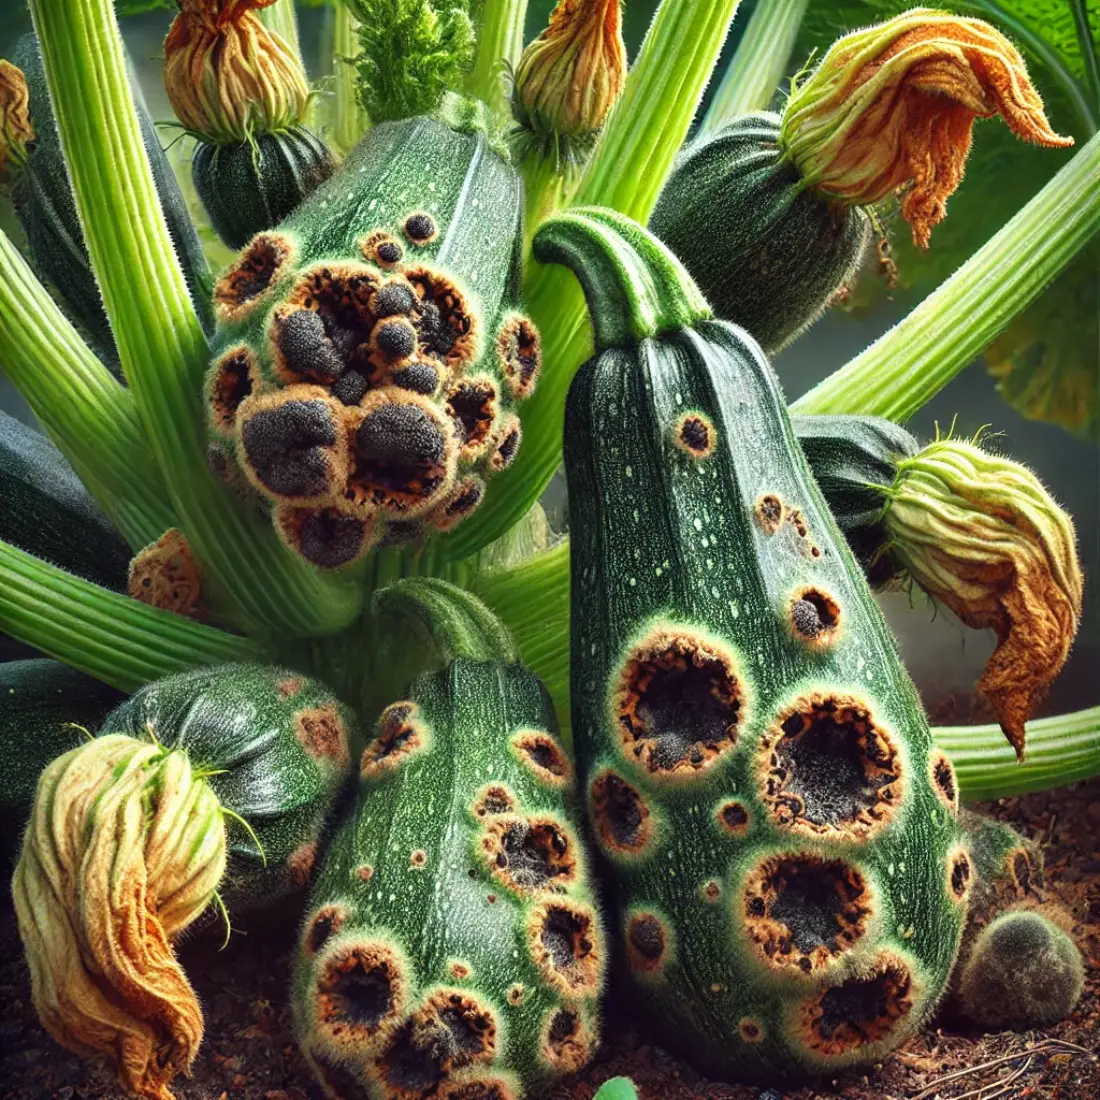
pixel 160 341
pixel 283 20
pixel 499 44
pixel 91 418
pixel 351 119
pixel 759 64
pixel 111 637
pixel 626 172
pixel 1060 750
pixel 912 362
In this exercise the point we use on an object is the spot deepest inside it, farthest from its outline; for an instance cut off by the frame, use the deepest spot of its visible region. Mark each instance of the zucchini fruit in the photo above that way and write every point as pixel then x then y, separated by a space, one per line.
pixel 789 878
pixel 452 946
pixel 46 511
pixel 368 354
pixel 206 789
pixel 767 252
pixel 44 203
pixel 247 187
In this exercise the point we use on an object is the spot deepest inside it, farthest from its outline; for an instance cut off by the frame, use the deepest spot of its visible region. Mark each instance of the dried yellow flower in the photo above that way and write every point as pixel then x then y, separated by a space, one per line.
pixel 228 77
pixel 980 533
pixel 125 848
pixel 572 75
pixel 893 106
pixel 16 131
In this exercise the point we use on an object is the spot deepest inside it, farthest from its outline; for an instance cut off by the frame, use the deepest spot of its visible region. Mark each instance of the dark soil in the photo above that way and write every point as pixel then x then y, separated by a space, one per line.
pixel 249 1051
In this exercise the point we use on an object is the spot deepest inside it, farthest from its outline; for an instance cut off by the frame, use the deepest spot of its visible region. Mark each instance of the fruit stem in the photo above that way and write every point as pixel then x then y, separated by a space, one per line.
pixel 499 44
pixel 351 120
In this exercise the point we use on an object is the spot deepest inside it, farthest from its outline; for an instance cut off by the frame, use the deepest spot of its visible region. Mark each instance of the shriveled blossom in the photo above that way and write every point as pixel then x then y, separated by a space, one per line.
pixel 125 848
pixel 572 75
pixel 16 131
pixel 893 106
pixel 980 533
pixel 228 77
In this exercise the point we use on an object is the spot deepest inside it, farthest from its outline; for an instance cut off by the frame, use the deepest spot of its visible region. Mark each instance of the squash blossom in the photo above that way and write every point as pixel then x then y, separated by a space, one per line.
pixel 980 533
pixel 16 131
pixel 893 107
pixel 228 76
pixel 572 75
pixel 124 850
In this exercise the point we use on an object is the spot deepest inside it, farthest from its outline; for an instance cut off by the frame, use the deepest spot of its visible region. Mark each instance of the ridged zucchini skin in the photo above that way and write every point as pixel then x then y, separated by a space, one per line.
pixel 854 460
pixel 41 704
pixel 46 511
pixel 413 895
pixel 381 318
pixel 44 203
pixel 277 746
pixel 767 253
pixel 777 830
pixel 246 188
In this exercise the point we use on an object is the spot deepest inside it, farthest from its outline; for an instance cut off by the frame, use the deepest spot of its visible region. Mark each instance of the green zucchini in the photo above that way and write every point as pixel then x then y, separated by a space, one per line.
pixel 247 187
pixel 46 511
pixel 44 203
pixel 45 710
pixel 452 946
pixel 767 252
pixel 789 878
pixel 368 355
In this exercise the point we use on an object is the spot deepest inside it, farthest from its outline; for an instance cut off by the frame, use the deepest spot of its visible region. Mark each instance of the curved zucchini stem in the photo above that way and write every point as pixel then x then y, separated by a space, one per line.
pixel 634 286
pixel 116 639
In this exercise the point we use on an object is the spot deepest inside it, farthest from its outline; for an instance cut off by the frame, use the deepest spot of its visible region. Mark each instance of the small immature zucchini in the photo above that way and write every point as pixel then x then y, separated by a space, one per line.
pixel 790 882
pixel 452 946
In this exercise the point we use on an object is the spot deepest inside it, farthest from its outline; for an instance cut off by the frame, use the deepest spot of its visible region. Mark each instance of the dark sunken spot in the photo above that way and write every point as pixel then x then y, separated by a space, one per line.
pixel 399 733
pixel 960 875
pixel 394 299
pixel 620 814
pixel 507 448
pixel 306 347
pixel 734 817
pixel 232 384
pixel 646 935
pixel 695 435
pixel 286 447
pixel 395 339
pixel 472 406
pixel 325 925
pixel 358 990
pixel 351 388
pixel 531 855
pixel 943 775
pixel 814 614
pixel 769 513
pixel 400 436
pixel 252 274
pixel 543 755
pixel 1021 871
pixel 330 539
pixel 521 353
pixel 466 500
pixel 860 1011
pixel 566 937
pixel 420 228
pixel 418 377
pixel 389 252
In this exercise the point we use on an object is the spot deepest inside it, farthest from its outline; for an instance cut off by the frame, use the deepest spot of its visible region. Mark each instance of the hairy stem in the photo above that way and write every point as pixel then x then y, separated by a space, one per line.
pixel 1060 750
pixel 351 119
pixel 160 341
pixel 912 362
pixel 109 636
pixel 499 44
pixel 629 166
pixel 91 418
pixel 759 64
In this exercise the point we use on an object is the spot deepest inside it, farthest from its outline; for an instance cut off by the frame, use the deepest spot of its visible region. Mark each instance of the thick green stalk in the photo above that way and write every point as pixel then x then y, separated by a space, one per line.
pixel 1060 750
pixel 351 119
pixel 160 341
pixel 90 417
pixel 912 362
pixel 759 64
pixel 1089 59
pixel 283 20
pixel 499 44
pixel 109 636
pixel 629 166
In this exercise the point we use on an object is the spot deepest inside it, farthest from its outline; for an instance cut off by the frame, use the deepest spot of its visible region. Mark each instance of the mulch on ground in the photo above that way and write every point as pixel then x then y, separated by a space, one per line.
pixel 249 1051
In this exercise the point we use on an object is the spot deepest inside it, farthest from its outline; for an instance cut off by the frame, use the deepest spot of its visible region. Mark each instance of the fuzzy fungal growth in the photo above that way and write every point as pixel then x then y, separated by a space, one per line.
pixel 785 201
pixel 208 789
pixel 452 946
pixel 788 878
pixel 369 357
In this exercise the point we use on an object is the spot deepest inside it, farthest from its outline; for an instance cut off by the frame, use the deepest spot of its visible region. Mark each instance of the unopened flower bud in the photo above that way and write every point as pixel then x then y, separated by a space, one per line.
pixel 16 131
pixel 229 78
pixel 892 107
pixel 572 75
pixel 981 534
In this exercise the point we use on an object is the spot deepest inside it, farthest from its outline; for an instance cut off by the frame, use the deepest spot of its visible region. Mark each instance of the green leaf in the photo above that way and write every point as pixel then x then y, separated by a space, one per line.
pixel 1047 360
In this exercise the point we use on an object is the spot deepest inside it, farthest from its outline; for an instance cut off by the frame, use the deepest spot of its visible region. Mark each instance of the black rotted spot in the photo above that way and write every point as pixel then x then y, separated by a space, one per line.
pixel 306 347
pixel 350 388
pixel 389 252
pixel 420 228
pixel 400 435
pixel 331 540
pixel 396 339
pixel 418 377
pixel 286 447
pixel 394 299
